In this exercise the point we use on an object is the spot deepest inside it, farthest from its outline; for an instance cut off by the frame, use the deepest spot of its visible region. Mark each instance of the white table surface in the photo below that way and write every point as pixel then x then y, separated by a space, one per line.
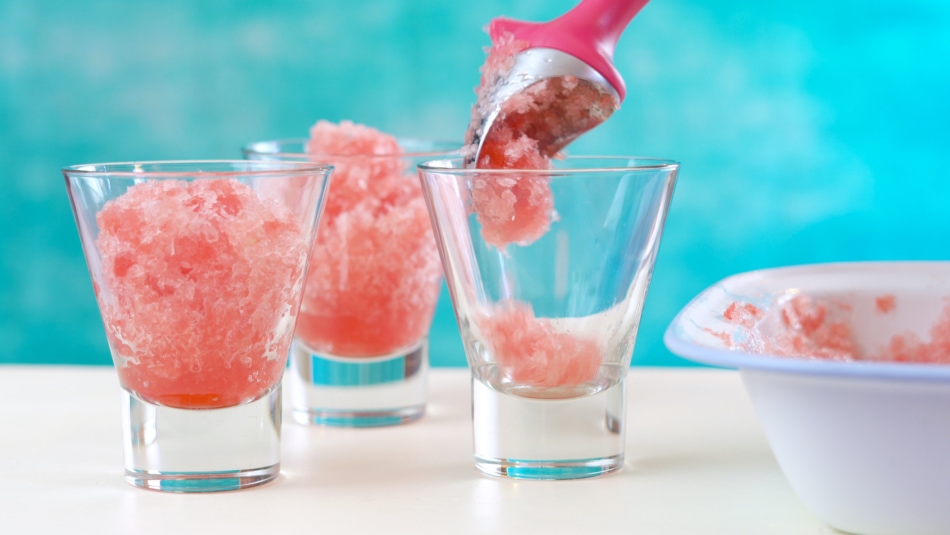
pixel 697 463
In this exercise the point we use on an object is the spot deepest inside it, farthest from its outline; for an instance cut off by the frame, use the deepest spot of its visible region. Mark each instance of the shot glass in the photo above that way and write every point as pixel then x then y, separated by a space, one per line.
pixel 548 271
pixel 198 268
pixel 360 352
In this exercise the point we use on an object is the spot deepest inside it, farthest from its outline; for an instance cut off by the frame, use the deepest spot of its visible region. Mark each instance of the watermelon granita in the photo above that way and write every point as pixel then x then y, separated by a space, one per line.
pixel 375 272
pixel 532 351
pixel 200 285
pixel 910 348
pixel 806 327
pixel 531 127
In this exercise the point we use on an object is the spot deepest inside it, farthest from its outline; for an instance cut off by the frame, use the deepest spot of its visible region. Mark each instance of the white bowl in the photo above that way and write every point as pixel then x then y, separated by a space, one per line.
pixel 864 444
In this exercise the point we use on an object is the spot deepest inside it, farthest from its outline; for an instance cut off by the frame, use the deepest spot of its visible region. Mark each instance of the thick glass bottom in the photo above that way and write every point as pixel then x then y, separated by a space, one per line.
pixel 576 469
pixel 201 450
pixel 357 391
pixel 201 482
pixel 534 438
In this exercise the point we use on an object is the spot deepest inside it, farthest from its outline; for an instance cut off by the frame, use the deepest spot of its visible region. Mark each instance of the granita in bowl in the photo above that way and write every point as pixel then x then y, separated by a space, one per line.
pixel 848 367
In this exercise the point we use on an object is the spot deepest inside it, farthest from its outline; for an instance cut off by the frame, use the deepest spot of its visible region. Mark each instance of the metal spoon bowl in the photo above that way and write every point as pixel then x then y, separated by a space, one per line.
pixel 575 47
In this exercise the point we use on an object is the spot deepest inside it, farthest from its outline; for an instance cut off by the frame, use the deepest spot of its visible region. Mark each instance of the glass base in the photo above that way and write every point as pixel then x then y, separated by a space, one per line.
pixel 532 438
pixel 201 450
pixel 357 392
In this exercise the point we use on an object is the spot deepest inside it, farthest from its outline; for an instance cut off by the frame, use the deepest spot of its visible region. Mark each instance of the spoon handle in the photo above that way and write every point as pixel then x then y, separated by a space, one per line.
pixel 589 32
pixel 599 22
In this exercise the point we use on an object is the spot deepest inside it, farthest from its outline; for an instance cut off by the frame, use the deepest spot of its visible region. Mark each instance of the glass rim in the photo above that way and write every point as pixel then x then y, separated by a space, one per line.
pixel 642 163
pixel 455 148
pixel 258 168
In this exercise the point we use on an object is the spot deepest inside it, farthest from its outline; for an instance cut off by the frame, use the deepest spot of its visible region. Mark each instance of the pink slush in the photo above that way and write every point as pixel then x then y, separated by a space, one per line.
pixel 375 272
pixel 199 290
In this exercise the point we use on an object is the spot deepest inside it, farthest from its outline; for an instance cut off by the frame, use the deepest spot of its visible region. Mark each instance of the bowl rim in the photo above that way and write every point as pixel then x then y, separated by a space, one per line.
pixel 725 358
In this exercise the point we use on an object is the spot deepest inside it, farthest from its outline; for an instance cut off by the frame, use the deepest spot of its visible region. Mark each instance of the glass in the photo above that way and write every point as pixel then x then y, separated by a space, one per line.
pixel 548 271
pixel 360 353
pixel 198 268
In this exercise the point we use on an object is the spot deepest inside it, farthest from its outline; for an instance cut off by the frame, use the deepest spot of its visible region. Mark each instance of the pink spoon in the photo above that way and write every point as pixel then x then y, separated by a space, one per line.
pixel 578 44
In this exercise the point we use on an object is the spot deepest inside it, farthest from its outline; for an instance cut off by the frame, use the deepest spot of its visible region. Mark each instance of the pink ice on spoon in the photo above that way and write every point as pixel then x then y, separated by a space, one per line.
pixel 530 126
pixel 516 208
pixel 374 278
pixel 519 208
pixel 516 126
pixel 204 281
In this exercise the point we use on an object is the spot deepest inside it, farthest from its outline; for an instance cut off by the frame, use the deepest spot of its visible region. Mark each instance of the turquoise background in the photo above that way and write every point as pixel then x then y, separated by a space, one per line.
pixel 809 131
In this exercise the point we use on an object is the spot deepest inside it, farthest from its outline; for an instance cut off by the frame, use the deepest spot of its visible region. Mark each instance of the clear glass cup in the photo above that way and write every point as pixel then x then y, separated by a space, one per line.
pixel 360 354
pixel 198 268
pixel 548 272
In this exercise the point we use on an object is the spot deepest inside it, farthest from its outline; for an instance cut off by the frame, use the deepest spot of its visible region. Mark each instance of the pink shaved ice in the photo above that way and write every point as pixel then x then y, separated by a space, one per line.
pixel 809 330
pixel 512 209
pixel 199 290
pixel 910 348
pixel 816 329
pixel 885 303
pixel 532 351
pixel 806 329
pixel 531 127
pixel 375 273
pixel 744 314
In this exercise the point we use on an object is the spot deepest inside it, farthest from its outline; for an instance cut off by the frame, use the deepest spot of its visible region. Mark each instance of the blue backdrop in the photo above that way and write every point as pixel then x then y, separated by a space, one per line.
pixel 808 131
